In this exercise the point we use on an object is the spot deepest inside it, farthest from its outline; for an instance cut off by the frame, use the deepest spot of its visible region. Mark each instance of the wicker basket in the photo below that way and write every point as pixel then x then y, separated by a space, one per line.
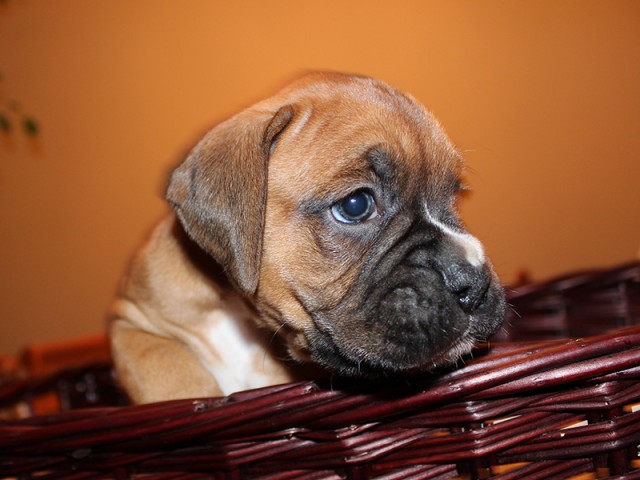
pixel 551 408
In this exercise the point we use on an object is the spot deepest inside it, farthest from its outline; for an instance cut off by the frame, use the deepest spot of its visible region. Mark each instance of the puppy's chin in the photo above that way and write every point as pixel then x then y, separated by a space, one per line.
pixel 373 365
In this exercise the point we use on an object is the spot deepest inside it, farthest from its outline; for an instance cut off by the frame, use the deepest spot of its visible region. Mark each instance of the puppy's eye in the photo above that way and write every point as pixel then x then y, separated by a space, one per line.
pixel 356 207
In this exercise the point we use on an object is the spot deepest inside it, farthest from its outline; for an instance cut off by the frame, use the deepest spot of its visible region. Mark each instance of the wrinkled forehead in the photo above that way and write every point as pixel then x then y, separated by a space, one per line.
pixel 349 124
pixel 360 99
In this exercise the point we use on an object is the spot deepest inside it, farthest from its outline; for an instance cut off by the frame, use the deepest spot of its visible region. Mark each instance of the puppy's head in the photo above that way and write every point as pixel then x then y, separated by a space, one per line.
pixel 332 205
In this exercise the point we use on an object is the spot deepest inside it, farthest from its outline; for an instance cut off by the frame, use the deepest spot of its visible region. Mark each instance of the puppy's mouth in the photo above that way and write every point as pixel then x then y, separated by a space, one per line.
pixel 417 323
pixel 326 352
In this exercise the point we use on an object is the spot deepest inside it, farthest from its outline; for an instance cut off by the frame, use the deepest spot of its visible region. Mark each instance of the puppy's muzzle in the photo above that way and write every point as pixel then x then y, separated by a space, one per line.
pixel 468 283
pixel 431 307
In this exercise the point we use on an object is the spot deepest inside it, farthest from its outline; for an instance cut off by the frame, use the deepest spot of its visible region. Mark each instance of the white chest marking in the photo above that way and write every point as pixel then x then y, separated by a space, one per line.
pixel 233 356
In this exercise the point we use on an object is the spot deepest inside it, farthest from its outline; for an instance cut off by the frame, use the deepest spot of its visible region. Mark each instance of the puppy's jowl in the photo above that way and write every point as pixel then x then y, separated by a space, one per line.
pixel 315 226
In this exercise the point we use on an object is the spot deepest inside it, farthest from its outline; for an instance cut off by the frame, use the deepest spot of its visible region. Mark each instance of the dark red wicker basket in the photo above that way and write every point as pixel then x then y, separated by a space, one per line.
pixel 557 396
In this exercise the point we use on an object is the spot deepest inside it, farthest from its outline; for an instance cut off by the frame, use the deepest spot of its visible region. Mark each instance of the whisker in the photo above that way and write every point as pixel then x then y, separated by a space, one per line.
pixel 271 340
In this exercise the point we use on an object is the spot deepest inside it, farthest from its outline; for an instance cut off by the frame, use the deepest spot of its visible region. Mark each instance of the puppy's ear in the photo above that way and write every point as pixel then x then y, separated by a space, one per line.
pixel 219 191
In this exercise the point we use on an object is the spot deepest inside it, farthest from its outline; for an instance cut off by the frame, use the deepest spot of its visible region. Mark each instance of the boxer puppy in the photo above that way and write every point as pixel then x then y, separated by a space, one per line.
pixel 322 219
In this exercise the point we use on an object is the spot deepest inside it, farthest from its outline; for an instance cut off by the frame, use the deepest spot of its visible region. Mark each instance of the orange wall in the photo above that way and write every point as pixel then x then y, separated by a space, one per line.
pixel 543 97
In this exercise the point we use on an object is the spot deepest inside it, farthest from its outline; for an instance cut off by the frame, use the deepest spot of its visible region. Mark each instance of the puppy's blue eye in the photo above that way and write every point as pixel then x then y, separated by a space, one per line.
pixel 355 207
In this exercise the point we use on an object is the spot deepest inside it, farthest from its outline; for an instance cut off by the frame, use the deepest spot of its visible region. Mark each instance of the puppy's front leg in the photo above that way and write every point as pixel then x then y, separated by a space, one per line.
pixel 154 368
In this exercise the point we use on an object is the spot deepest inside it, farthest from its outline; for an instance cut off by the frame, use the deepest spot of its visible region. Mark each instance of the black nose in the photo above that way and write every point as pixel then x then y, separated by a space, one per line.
pixel 468 283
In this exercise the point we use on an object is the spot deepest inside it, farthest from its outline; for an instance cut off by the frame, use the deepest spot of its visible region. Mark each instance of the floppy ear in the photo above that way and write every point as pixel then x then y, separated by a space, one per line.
pixel 219 191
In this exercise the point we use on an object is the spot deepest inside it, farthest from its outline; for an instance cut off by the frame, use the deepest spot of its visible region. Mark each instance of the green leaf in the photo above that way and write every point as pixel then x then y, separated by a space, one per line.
pixel 30 126
pixel 5 124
